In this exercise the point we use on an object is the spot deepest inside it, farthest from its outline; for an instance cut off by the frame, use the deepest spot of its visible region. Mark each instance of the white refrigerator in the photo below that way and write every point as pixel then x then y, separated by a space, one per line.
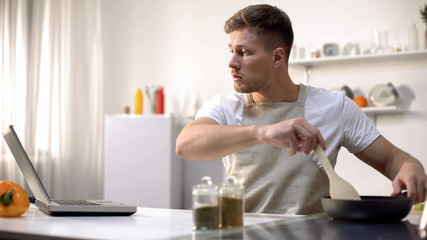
pixel 140 164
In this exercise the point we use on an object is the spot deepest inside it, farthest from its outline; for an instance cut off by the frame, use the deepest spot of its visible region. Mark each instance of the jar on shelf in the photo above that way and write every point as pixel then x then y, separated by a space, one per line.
pixel 205 205
pixel 231 203
pixel 384 95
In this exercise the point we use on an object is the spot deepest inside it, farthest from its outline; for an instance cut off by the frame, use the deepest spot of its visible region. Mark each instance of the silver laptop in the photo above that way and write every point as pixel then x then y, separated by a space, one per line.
pixel 59 207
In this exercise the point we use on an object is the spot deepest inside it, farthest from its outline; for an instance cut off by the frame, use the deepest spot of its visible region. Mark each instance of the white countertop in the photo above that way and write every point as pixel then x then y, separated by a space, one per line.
pixel 159 223
pixel 146 223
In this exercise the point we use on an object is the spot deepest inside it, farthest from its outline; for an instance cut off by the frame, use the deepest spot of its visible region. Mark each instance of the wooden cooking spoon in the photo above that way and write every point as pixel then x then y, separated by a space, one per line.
pixel 338 187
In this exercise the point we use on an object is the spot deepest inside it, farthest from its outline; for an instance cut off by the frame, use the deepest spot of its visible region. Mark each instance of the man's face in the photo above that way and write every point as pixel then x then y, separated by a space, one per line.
pixel 250 64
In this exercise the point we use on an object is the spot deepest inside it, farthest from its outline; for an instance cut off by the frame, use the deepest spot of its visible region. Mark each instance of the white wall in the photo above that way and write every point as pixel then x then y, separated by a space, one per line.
pixel 181 45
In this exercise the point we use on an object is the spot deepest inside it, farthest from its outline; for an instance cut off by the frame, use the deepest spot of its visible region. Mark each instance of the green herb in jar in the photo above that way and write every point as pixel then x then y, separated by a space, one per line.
pixel 206 218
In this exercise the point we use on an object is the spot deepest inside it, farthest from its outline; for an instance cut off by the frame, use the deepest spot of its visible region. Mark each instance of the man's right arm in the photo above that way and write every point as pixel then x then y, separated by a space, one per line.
pixel 204 139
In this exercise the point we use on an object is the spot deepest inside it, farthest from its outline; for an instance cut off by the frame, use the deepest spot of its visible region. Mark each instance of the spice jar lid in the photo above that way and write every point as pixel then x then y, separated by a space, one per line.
pixel 231 185
pixel 232 180
pixel 206 187
pixel 206 180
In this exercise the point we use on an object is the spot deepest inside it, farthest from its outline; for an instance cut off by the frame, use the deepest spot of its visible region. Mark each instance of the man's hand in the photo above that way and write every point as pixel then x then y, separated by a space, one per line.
pixel 296 134
pixel 406 172
pixel 413 179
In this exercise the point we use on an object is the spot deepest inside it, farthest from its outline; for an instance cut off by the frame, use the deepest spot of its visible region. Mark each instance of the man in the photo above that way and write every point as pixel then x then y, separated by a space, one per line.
pixel 266 132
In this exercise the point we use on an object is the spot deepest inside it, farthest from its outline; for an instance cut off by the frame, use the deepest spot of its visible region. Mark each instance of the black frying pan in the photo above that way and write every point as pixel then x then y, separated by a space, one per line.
pixel 369 209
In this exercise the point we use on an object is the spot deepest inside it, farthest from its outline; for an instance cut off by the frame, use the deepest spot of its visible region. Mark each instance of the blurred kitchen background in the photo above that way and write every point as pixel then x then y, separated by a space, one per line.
pixel 69 69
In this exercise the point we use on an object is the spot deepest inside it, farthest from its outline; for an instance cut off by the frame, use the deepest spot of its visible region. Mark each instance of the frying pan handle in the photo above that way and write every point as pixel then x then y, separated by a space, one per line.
pixel 404 193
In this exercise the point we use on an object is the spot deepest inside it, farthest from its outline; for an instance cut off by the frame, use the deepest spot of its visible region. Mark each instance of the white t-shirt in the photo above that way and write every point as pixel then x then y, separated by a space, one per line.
pixel 340 121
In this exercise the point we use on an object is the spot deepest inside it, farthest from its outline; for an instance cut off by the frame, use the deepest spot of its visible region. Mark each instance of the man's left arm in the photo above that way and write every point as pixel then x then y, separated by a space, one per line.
pixel 405 171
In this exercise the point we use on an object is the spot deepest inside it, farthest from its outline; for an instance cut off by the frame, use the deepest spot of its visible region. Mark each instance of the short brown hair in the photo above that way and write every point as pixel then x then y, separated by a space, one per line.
pixel 272 25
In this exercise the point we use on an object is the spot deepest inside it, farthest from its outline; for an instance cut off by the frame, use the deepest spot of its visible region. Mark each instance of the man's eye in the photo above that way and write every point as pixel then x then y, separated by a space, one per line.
pixel 242 52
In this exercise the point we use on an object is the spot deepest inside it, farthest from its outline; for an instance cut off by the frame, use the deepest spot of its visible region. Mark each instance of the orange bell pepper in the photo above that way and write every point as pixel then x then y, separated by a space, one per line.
pixel 13 199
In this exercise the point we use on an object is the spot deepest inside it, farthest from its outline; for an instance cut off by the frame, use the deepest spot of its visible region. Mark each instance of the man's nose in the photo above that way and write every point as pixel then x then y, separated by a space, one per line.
pixel 234 63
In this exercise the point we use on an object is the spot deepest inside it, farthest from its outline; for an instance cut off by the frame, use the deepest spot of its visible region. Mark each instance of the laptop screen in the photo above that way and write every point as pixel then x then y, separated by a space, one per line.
pixel 25 165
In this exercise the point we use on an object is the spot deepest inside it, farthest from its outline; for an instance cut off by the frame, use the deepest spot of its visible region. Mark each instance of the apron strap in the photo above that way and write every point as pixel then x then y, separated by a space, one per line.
pixel 248 99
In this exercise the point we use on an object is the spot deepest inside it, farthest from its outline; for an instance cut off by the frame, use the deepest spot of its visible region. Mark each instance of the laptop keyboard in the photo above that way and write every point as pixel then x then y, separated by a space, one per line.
pixel 75 203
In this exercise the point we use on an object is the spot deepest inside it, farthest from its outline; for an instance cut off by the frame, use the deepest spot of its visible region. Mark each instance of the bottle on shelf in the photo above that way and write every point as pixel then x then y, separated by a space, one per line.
pixel 139 102
pixel 160 97
pixel 413 38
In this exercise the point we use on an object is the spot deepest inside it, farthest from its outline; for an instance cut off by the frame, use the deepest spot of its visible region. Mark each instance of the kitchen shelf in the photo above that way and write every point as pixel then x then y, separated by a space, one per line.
pixel 382 110
pixel 310 63
pixel 374 112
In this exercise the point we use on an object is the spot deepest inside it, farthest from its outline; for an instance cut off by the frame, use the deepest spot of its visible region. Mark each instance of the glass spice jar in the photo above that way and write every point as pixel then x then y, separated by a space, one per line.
pixel 205 205
pixel 231 203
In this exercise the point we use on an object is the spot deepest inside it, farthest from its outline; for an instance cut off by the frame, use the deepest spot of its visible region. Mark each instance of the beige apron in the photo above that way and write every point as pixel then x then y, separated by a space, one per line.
pixel 275 182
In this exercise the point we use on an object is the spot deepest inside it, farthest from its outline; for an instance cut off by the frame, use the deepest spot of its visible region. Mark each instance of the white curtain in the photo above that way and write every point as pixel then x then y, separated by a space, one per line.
pixel 51 90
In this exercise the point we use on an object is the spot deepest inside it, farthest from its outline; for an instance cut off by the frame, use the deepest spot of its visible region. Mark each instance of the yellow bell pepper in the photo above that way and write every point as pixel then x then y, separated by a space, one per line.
pixel 13 199
pixel 419 207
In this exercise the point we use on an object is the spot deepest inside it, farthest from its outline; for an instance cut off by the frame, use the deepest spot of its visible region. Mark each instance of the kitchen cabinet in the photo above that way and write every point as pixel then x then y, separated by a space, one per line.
pixel 140 164
pixel 309 64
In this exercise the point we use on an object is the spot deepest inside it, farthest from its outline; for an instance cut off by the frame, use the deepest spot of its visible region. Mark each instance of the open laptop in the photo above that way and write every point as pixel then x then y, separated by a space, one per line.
pixel 59 207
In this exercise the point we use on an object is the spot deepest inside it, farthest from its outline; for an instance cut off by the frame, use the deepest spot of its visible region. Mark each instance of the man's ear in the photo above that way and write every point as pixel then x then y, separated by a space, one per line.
pixel 278 57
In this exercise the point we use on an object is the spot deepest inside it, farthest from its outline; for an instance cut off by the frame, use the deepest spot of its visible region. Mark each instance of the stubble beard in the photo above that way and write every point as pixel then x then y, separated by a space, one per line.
pixel 245 88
